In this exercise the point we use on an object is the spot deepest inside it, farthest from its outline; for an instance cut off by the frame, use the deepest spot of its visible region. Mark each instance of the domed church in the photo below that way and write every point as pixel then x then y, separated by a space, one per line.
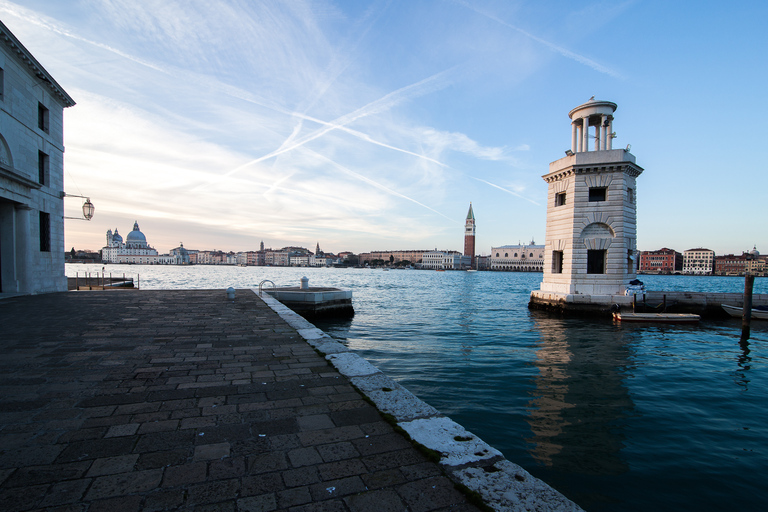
pixel 135 249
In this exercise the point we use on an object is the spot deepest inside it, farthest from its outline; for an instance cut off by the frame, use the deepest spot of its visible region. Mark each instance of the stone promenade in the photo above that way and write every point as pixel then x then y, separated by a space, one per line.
pixel 164 400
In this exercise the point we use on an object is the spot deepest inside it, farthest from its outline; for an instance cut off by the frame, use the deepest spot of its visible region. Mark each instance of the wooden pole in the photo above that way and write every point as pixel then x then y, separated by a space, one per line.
pixel 746 316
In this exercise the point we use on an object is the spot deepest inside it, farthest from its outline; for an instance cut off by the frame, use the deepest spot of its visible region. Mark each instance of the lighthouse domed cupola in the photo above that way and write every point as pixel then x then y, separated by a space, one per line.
pixel 593 119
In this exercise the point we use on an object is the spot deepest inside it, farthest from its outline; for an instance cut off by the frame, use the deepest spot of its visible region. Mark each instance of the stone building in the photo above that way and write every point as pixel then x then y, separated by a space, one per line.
pixel 698 261
pixel 663 261
pixel 134 249
pixel 591 236
pixel 518 258
pixel 31 172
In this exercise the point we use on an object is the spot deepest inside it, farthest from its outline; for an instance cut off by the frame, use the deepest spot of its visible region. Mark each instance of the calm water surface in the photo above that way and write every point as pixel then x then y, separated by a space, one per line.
pixel 617 417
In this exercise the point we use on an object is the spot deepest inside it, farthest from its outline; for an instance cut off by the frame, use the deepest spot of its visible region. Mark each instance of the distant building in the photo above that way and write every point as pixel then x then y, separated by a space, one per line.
pixel 445 260
pixel 134 249
pixel 31 172
pixel 469 236
pixel 518 258
pixel 412 256
pixel 748 262
pixel 663 261
pixel 698 261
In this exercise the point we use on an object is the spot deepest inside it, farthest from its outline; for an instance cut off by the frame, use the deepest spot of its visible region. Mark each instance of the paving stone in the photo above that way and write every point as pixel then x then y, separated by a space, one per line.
pixel 127 429
pixel 213 492
pixel 301 476
pixel 227 468
pixel 113 465
pixel 121 504
pixel 124 483
pixel 184 474
pixel 379 501
pixel 263 503
pixel 212 451
pixel 430 494
pixel 304 457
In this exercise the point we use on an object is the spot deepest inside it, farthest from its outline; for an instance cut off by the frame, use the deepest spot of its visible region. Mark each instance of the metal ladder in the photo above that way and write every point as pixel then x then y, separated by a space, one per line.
pixel 261 284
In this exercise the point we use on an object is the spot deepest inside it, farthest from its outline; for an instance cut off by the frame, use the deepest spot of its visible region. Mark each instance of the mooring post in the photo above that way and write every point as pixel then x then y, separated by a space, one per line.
pixel 665 303
pixel 634 304
pixel 746 315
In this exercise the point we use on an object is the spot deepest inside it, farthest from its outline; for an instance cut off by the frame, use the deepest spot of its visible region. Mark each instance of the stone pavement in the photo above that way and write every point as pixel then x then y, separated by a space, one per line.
pixel 165 400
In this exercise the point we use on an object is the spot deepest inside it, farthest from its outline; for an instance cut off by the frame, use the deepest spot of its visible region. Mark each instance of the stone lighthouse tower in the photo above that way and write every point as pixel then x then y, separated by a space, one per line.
pixel 591 235
pixel 469 236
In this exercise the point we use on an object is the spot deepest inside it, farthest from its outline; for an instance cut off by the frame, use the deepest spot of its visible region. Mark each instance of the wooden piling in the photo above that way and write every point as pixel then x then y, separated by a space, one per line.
pixel 746 316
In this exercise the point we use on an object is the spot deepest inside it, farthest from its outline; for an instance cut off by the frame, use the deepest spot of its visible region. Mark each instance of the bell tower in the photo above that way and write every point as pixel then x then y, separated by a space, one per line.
pixel 469 236
pixel 591 236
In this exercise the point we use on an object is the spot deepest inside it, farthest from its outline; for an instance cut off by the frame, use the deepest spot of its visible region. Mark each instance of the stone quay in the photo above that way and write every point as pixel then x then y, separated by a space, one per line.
pixel 185 399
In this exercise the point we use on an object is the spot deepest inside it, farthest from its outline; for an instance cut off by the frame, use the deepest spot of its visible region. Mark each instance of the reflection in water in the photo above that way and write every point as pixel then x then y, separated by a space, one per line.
pixel 744 365
pixel 580 401
pixel 467 311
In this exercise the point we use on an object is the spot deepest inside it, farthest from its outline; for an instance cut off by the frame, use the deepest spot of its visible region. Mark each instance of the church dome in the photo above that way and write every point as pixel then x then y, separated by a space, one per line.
pixel 754 252
pixel 116 237
pixel 136 236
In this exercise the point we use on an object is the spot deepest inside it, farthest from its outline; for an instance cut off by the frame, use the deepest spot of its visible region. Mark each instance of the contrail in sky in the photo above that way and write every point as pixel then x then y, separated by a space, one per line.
pixel 558 49
pixel 378 185
pixel 382 104
pixel 506 190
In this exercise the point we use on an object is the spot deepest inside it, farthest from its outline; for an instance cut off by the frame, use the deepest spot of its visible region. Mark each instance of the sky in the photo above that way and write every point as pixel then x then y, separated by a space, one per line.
pixel 371 125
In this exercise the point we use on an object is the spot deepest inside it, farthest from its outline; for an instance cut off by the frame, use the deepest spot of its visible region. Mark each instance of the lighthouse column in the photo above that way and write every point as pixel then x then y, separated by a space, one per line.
pixel 574 137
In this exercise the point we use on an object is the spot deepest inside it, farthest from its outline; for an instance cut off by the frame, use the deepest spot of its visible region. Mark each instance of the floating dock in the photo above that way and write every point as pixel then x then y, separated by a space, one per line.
pixel 706 305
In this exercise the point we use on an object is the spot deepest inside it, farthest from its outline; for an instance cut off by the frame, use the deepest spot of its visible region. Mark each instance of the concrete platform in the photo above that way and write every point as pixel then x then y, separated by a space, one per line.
pixel 167 400
pixel 315 302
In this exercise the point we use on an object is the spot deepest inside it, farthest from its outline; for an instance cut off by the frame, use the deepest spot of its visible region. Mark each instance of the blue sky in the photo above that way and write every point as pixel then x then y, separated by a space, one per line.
pixel 367 125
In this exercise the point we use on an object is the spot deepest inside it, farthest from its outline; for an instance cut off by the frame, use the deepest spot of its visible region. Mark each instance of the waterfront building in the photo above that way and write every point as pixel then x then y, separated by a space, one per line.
pixel 591 236
pixel 445 260
pixel 135 249
pixel 698 261
pixel 518 258
pixel 469 236
pixel 180 254
pixel 748 262
pixel 31 172
pixel 663 261
pixel 414 256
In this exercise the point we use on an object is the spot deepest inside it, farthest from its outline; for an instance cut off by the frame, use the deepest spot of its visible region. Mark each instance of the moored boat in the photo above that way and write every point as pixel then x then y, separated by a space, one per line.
pixel 667 318
pixel 757 312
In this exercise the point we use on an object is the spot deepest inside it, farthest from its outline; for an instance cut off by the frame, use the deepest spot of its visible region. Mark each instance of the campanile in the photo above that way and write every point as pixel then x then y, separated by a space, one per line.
pixel 469 236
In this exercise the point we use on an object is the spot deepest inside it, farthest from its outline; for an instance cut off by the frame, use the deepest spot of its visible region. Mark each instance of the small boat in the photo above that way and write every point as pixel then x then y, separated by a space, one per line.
pixel 471 270
pixel 758 312
pixel 666 318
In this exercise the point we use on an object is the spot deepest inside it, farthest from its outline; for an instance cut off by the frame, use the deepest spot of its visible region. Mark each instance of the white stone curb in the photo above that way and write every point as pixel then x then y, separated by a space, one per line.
pixel 503 486
pixel 456 445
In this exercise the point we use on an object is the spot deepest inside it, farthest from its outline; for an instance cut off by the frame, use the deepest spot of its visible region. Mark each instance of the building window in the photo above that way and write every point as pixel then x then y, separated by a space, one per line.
pixel 597 194
pixel 595 261
pixel 42 117
pixel 560 199
pixel 42 168
pixel 557 262
pixel 2 84
pixel 45 232
pixel 631 195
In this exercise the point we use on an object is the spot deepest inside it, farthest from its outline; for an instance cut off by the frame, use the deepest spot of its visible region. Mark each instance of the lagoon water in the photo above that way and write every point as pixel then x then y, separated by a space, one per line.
pixel 617 417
